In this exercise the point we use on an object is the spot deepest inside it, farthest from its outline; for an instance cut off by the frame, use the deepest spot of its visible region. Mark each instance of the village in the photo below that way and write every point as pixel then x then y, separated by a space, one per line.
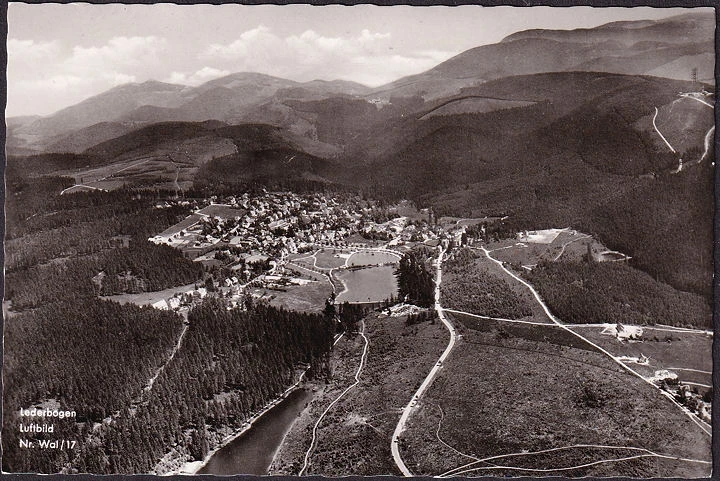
pixel 252 244
pixel 281 223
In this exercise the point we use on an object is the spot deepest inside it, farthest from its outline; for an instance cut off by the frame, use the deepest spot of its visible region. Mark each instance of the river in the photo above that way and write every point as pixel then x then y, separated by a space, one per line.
pixel 253 451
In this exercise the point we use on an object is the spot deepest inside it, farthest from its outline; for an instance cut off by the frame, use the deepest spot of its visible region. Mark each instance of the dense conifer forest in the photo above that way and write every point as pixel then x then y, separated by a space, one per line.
pixel 65 345
pixel 610 292
pixel 469 287
pixel 415 281
pixel 231 364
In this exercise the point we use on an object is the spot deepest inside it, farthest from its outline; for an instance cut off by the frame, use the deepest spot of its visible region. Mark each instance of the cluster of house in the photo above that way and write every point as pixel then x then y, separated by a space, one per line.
pixel 181 299
pixel 694 401
pixel 282 223
pixel 683 393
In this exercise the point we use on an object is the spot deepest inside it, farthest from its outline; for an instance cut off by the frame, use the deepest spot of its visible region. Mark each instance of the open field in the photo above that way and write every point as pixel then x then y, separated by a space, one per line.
pixel 546 236
pixel 222 211
pixel 309 298
pixel 687 352
pixel 567 245
pixel 299 268
pixel 354 438
pixel 111 170
pixel 149 298
pixel 331 258
pixel 513 389
pixel 189 221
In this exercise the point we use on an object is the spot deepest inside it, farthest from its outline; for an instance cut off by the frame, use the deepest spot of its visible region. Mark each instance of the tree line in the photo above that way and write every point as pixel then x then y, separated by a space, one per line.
pixel 611 292
pixel 415 281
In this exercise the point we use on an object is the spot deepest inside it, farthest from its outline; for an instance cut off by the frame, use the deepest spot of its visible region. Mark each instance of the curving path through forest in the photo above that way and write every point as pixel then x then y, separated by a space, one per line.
pixel 306 462
pixel 660 133
pixel 395 442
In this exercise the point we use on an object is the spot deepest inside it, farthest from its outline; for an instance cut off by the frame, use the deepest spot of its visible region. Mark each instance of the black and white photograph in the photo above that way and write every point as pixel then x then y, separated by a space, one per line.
pixel 296 240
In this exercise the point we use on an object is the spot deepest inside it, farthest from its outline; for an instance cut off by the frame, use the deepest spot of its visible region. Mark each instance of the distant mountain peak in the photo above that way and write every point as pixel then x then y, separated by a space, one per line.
pixel 147 86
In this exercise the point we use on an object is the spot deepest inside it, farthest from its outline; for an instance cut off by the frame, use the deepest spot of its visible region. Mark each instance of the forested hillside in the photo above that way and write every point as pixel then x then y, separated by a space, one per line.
pixel 611 292
pixel 56 244
pixel 575 156
pixel 66 346
pixel 231 364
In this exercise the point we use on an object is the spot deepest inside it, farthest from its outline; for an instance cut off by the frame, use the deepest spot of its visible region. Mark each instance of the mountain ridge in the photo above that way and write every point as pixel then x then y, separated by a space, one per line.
pixel 663 47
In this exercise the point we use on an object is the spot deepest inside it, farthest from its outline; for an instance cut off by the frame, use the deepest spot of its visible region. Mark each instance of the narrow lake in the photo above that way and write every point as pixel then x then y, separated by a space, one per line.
pixel 374 284
pixel 253 452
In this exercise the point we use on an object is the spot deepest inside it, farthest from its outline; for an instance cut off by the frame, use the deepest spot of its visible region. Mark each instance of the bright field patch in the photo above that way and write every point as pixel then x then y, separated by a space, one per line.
pixel 149 298
pixel 308 298
pixel 546 236
pixel 331 258
pixel 222 210
pixel 687 354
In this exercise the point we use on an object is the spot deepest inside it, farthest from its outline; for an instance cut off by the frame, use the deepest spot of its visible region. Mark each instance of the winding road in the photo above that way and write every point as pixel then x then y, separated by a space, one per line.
pixel 562 251
pixel 706 428
pixel 710 132
pixel 363 358
pixel 708 135
pixel 661 135
pixel 395 442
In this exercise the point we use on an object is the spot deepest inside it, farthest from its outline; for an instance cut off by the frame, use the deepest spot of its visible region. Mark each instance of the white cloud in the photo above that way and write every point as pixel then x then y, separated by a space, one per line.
pixel 244 45
pixel 378 70
pixel 304 56
pixel 436 55
pixel 44 76
pixel 60 82
pixel 201 76
pixel 117 78
pixel 30 50
pixel 71 74
pixel 118 53
pixel 367 57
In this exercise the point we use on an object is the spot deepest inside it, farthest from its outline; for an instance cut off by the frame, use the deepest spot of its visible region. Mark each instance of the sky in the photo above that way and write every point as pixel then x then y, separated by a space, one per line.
pixel 61 54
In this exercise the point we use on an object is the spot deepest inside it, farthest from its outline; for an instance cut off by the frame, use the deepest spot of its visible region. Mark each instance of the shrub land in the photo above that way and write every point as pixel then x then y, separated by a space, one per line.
pixel 354 438
pixel 548 395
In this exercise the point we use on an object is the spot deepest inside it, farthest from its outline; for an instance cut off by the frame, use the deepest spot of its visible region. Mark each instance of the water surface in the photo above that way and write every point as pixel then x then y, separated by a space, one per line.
pixel 253 451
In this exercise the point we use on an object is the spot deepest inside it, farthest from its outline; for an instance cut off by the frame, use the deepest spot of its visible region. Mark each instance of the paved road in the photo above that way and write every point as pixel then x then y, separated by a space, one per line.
pixel 395 443
pixel 693 97
pixel 703 425
pixel 660 134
